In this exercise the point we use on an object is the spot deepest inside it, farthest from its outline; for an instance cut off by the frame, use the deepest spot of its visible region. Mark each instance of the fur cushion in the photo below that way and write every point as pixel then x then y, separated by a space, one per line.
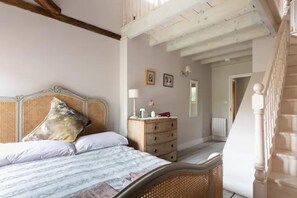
pixel 61 123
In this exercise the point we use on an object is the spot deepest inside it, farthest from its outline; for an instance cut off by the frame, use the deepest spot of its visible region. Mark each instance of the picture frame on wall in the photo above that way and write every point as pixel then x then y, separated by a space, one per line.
pixel 150 77
pixel 168 80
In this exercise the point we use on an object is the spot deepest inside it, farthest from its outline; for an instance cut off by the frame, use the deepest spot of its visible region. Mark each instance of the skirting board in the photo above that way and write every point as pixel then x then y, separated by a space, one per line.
pixel 219 138
pixel 193 143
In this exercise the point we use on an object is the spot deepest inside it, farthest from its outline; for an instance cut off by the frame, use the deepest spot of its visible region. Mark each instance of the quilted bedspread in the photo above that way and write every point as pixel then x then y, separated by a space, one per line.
pixel 74 176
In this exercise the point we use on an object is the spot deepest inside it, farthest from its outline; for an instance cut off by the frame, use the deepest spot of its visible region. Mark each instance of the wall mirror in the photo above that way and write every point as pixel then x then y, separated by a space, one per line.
pixel 193 104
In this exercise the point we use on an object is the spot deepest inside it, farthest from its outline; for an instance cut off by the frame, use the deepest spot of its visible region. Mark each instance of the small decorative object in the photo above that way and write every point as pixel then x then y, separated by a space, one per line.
pixel 142 113
pixel 134 93
pixel 151 105
pixel 168 80
pixel 150 77
pixel 186 72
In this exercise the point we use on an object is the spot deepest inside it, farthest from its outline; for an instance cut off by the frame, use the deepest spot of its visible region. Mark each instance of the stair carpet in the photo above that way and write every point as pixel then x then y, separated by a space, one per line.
pixel 282 181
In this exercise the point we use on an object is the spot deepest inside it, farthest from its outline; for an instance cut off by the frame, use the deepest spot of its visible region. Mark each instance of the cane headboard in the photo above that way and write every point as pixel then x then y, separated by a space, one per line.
pixel 20 115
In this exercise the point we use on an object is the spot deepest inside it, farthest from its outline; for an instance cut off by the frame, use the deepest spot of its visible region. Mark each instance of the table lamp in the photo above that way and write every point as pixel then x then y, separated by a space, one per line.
pixel 134 93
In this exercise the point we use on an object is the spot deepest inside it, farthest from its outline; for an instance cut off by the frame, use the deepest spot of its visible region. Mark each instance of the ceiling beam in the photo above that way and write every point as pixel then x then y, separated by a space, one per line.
pixel 227 56
pixel 214 15
pixel 274 10
pixel 224 50
pixel 236 37
pixel 226 27
pixel 60 17
pixel 233 61
pixel 49 5
pixel 263 9
pixel 158 16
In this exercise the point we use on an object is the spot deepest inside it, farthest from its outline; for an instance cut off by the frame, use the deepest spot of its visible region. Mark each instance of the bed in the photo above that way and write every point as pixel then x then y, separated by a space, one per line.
pixel 114 171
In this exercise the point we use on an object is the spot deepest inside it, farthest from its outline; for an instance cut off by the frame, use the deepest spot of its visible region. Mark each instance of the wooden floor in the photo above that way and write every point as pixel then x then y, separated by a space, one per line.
pixel 199 153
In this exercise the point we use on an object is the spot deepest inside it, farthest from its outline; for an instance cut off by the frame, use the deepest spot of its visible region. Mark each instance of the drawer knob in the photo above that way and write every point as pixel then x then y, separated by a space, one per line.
pixel 156 127
pixel 172 124
pixel 155 151
pixel 171 145
pixel 155 138
pixel 171 157
pixel 171 134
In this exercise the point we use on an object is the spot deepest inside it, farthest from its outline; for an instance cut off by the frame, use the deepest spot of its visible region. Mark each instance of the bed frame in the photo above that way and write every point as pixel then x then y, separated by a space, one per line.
pixel 20 115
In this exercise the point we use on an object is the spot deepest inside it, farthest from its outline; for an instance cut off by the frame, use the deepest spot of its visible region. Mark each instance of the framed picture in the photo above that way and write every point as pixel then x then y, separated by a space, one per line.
pixel 168 80
pixel 150 77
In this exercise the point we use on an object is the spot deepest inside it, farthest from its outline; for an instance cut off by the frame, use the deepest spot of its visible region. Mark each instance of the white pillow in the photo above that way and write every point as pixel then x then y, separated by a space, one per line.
pixel 99 141
pixel 12 153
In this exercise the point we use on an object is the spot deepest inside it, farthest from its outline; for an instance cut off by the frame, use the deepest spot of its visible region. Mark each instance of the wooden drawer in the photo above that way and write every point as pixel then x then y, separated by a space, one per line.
pixel 161 126
pixel 170 157
pixel 157 138
pixel 161 149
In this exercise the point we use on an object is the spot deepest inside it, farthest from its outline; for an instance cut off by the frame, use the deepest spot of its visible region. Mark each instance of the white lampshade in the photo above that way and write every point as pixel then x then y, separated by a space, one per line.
pixel 188 69
pixel 133 93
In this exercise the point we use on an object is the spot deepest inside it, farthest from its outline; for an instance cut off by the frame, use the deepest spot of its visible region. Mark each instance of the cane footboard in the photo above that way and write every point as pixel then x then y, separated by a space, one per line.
pixel 179 180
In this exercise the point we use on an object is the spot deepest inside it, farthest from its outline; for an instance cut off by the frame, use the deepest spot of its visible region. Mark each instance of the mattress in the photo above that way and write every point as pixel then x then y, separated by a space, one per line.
pixel 71 175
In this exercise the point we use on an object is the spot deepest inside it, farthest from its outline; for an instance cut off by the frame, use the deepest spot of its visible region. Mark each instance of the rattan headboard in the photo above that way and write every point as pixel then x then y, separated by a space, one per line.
pixel 20 115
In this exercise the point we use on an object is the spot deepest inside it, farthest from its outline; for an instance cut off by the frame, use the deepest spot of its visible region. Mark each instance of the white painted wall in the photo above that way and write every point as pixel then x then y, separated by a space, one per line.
pixel 175 100
pixel 238 153
pixel 37 52
pixel 262 53
pixel 220 87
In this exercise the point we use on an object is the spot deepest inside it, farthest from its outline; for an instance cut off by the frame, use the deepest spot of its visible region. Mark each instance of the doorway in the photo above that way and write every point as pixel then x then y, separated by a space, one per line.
pixel 237 88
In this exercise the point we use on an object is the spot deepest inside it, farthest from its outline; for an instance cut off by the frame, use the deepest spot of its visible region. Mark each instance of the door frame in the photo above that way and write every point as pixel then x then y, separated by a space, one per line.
pixel 231 78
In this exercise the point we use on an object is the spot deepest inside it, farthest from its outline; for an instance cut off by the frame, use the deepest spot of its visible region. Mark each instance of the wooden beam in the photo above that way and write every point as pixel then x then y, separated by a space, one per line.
pixel 236 37
pixel 263 9
pixel 227 56
pixel 224 50
pixel 157 17
pixel 212 16
pixel 49 5
pixel 226 27
pixel 62 18
pixel 233 61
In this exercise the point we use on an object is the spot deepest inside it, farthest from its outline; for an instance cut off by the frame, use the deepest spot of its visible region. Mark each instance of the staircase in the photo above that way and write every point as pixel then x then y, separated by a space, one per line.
pixel 282 181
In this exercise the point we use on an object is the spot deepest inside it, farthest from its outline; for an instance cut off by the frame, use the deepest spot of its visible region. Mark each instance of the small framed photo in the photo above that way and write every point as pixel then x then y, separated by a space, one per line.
pixel 150 77
pixel 168 80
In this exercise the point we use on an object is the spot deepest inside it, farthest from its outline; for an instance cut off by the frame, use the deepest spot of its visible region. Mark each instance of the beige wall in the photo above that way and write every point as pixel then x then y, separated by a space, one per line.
pixel 37 52
pixel 262 53
pixel 220 87
pixel 176 100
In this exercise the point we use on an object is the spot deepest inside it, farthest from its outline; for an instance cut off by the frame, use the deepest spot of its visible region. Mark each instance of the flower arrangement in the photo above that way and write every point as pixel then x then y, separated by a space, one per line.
pixel 151 104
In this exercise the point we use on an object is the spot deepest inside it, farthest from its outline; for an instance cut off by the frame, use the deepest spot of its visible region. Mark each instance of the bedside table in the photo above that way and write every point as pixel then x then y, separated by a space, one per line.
pixel 157 136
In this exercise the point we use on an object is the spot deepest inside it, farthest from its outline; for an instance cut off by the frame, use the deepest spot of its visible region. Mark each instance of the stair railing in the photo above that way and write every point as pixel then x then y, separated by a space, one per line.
pixel 133 9
pixel 266 104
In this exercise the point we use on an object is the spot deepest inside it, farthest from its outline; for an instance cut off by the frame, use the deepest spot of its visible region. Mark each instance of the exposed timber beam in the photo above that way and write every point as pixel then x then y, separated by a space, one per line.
pixel 157 17
pixel 214 15
pixel 226 27
pixel 233 61
pixel 60 17
pixel 227 56
pixel 49 5
pixel 224 50
pixel 236 37
pixel 263 9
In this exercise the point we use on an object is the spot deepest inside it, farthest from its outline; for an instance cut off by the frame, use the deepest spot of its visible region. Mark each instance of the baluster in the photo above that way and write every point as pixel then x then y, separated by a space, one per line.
pixel 258 106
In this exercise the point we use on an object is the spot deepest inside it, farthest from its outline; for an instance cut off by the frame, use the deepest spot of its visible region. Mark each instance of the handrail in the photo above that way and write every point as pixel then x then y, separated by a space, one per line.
pixel 133 9
pixel 266 104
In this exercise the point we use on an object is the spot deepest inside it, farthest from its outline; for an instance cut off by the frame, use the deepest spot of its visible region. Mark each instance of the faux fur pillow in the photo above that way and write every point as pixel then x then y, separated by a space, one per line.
pixel 61 123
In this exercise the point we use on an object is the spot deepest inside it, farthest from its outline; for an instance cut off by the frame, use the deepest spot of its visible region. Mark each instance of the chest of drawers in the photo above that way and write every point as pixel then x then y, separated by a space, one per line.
pixel 156 136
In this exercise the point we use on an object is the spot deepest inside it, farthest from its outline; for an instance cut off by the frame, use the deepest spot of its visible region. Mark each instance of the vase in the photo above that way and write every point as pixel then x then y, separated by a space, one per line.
pixel 153 114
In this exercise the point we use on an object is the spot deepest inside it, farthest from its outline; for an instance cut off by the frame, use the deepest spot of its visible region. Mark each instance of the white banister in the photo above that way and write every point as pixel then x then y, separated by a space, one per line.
pixel 266 102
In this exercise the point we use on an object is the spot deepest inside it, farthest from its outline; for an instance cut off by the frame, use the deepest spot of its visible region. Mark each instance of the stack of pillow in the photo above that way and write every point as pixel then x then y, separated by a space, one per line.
pixel 56 136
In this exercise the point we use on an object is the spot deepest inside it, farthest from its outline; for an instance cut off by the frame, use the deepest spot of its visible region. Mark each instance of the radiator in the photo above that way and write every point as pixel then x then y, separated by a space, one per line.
pixel 219 127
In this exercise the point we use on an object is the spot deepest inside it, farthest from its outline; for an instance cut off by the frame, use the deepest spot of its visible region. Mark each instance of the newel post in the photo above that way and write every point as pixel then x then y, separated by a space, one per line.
pixel 260 174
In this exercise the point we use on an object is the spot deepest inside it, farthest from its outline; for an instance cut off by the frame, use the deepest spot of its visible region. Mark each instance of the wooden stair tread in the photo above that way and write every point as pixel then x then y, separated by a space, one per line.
pixel 289 100
pixel 292 74
pixel 290 86
pixel 286 153
pixel 289 133
pixel 288 115
pixel 283 179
